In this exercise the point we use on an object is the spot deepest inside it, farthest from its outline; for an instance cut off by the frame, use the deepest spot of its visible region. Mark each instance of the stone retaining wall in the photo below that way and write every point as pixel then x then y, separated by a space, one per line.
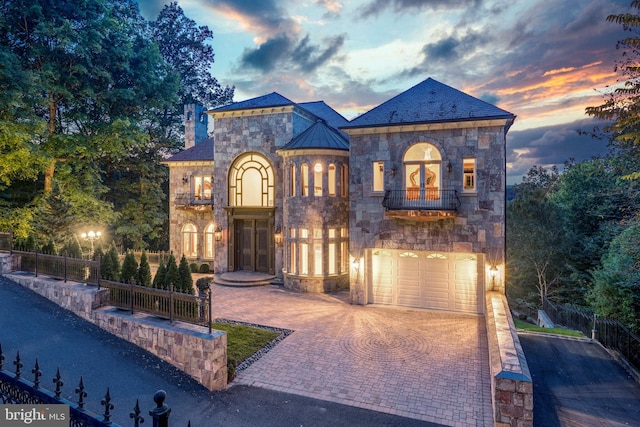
pixel 187 347
pixel 511 382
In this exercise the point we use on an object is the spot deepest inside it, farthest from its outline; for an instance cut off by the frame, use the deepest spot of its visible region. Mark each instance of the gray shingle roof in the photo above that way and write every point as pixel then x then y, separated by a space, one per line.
pixel 273 99
pixel 318 135
pixel 428 102
pixel 199 152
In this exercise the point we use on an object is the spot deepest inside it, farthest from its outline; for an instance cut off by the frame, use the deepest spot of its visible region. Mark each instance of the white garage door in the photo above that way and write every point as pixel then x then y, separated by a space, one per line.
pixel 434 280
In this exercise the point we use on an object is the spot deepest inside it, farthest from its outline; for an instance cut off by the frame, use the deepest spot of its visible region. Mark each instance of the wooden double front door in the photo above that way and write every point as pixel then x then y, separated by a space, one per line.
pixel 252 245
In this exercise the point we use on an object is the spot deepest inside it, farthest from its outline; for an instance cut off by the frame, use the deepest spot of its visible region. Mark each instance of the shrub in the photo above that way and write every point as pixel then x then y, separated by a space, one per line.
pixel 144 271
pixel 204 268
pixel 129 268
pixel 193 267
pixel 203 283
pixel 184 272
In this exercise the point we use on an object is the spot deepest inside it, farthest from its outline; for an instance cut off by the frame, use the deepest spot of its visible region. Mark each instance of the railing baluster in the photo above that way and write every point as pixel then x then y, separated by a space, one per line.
pixel 135 414
pixel 37 374
pixel 18 364
pixel 108 406
pixel 81 394
pixel 57 380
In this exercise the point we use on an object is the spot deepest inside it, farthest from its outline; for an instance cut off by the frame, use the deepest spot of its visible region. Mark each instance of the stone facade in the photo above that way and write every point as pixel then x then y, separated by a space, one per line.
pixel 477 227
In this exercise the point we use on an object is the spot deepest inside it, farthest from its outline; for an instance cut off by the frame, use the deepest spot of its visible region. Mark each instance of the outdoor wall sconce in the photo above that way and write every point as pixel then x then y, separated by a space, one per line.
pixel 185 179
pixel 493 271
pixel 356 263
pixel 277 235
pixel 318 167
pixel 218 234
pixel 449 167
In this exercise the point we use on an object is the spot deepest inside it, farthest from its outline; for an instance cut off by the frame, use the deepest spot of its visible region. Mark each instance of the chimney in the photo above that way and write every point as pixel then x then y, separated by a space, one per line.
pixel 195 125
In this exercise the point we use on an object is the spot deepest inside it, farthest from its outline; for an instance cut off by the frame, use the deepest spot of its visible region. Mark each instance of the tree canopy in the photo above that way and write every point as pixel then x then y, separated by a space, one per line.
pixel 90 104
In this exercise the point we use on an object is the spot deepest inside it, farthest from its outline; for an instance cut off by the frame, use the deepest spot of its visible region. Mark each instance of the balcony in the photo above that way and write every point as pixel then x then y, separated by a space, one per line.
pixel 428 204
pixel 193 201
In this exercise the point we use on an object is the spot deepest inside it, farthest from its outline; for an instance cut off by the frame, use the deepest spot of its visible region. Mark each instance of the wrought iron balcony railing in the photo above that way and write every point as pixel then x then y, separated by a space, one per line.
pixel 421 199
pixel 190 199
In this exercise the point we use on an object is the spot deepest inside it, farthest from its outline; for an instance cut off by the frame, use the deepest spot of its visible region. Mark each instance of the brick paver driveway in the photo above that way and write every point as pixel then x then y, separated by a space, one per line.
pixel 425 365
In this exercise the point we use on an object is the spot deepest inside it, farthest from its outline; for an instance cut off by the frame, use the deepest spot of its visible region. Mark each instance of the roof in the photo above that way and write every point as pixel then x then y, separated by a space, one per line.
pixel 428 102
pixel 319 135
pixel 199 152
pixel 273 99
pixel 323 111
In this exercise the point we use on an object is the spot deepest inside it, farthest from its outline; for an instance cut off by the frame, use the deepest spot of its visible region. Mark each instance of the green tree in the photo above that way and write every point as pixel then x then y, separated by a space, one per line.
pixel 129 268
pixel 71 248
pixel 144 271
pixel 159 278
pixel 110 265
pixel 622 104
pixel 186 280
pixel 172 277
pixel 535 238
pixel 616 285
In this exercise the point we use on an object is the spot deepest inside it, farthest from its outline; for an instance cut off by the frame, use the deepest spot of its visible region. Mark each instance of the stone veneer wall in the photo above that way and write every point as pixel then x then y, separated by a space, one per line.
pixel 511 381
pixel 479 226
pixel 178 218
pixel 312 213
pixel 200 355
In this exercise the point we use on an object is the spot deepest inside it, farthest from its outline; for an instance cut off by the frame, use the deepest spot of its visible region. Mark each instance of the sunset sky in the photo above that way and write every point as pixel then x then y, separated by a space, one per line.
pixel 542 60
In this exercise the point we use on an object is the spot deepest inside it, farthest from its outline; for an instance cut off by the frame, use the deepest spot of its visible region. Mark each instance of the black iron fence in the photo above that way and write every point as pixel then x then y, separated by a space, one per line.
pixel 15 390
pixel 162 303
pixel 194 309
pixel 610 332
pixel 59 267
pixel 421 199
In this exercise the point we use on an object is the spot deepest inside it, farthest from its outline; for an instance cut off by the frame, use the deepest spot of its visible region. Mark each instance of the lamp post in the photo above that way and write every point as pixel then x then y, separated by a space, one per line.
pixel 91 236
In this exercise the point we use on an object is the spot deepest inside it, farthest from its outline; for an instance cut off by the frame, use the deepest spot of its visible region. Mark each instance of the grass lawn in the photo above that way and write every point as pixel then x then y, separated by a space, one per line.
pixel 534 328
pixel 243 341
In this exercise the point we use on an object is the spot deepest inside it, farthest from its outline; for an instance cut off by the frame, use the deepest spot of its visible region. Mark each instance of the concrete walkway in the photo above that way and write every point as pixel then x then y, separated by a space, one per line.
pixel 424 365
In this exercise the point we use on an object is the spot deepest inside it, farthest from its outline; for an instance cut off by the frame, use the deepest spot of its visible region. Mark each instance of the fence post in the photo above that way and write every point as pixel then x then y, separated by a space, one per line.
pixel 170 303
pixel 98 259
pixel 594 331
pixel 10 242
pixel 161 412
pixel 131 294
pixel 64 267
pixel 210 310
pixel 35 250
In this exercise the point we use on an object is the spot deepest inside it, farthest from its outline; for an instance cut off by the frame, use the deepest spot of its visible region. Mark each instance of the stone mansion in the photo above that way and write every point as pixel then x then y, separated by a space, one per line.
pixel 404 205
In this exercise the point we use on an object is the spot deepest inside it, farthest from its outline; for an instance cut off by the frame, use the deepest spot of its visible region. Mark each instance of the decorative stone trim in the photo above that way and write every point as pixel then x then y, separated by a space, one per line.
pixel 511 382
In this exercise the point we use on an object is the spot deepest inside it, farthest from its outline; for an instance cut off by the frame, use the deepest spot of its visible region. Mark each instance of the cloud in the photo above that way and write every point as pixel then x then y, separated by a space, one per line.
pixel 333 7
pixel 551 145
pixel 376 7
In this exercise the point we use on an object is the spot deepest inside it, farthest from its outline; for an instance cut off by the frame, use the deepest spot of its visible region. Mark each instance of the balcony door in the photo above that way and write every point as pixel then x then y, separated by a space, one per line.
pixel 422 172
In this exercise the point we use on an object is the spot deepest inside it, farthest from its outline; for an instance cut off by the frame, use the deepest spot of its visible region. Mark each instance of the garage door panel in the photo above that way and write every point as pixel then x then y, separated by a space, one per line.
pixel 442 281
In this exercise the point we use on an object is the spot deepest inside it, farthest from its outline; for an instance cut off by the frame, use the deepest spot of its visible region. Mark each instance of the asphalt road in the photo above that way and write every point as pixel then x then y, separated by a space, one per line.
pixel 38 328
pixel 577 383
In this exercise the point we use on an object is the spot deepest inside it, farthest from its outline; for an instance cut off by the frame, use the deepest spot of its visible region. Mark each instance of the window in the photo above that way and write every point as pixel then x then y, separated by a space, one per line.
pixel 202 188
pixel 251 181
pixel 317 258
pixel 422 172
pixel 344 181
pixel 378 176
pixel 190 240
pixel 209 241
pixel 304 259
pixel 332 180
pixel 292 258
pixel 317 180
pixel 292 180
pixel 304 172
pixel 469 175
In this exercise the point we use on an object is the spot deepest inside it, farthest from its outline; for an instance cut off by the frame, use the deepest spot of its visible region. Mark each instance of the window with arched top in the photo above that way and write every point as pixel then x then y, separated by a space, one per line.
pixel 209 241
pixel 190 240
pixel 251 181
pixel 422 172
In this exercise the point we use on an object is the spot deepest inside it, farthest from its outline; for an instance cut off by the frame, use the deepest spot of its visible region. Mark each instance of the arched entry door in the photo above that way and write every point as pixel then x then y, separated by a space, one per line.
pixel 251 214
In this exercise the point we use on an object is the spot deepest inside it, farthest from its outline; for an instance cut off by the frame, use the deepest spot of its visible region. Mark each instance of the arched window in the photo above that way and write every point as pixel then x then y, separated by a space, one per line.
pixel 209 241
pixel 317 179
pixel 190 240
pixel 292 180
pixel 422 172
pixel 251 181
